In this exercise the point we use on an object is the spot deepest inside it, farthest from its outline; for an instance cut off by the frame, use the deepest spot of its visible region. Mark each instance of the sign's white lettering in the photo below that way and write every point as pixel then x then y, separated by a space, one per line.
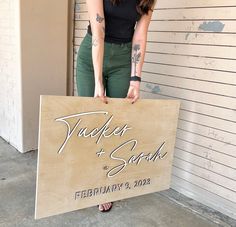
pixel 117 131
pixel 116 154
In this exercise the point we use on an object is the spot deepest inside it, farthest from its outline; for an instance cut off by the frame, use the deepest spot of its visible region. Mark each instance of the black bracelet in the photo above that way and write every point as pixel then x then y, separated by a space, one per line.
pixel 135 78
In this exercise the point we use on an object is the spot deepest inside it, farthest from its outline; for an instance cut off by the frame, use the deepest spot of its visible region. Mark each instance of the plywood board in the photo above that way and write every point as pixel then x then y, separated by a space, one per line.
pixel 91 153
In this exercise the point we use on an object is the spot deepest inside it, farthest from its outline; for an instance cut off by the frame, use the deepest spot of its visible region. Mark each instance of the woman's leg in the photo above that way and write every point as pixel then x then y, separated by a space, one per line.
pixel 118 83
pixel 118 70
pixel 85 81
pixel 84 69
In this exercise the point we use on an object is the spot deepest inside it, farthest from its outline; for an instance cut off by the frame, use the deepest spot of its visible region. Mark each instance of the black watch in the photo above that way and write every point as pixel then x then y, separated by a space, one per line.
pixel 135 78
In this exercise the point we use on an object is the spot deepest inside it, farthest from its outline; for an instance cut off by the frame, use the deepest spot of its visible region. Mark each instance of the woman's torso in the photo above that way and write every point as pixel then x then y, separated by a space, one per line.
pixel 120 21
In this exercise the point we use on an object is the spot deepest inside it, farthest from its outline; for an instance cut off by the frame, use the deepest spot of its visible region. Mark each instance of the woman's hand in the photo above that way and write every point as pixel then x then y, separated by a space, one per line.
pixel 99 92
pixel 133 92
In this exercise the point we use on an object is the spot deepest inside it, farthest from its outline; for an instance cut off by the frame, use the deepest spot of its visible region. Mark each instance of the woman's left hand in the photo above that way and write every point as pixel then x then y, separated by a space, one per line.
pixel 133 92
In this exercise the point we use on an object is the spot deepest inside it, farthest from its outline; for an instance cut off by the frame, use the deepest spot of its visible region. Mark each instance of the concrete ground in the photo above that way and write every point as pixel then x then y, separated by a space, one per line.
pixel 165 209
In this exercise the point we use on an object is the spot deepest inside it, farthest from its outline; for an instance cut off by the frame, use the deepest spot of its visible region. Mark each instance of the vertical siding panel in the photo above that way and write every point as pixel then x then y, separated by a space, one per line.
pixel 191 56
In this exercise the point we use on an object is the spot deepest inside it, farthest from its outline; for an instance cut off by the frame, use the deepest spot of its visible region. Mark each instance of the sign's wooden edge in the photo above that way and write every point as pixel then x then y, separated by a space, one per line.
pixel 42 97
pixel 37 174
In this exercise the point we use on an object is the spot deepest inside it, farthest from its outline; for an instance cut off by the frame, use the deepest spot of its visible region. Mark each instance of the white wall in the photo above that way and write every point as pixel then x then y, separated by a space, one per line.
pixel 44 45
pixel 34 55
pixel 10 79
pixel 191 56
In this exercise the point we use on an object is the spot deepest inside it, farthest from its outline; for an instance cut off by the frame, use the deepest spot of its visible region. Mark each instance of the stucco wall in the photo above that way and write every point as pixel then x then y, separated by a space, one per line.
pixel 34 55
pixel 10 79
pixel 44 32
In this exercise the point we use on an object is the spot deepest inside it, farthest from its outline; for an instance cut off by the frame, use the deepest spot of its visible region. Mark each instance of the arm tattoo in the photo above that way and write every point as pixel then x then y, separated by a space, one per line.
pixel 99 19
pixel 94 42
pixel 136 56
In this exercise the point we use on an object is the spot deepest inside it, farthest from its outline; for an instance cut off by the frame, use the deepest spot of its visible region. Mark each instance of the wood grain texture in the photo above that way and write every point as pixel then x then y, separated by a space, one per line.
pixel 72 172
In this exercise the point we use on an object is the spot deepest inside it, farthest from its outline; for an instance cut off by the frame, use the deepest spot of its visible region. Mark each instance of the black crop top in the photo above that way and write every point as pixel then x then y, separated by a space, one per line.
pixel 120 21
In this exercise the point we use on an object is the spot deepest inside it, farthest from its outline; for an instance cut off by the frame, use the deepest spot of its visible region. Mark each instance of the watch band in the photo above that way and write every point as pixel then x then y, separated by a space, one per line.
pixel 135 78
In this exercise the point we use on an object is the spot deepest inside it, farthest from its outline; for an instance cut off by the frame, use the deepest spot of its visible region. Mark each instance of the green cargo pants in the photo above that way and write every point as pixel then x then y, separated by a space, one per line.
pixel 116 69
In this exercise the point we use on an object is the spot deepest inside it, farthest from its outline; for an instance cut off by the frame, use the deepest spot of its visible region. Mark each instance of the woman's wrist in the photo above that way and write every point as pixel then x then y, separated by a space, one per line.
pixel 98 79
pixel 135 78
pixel 135 83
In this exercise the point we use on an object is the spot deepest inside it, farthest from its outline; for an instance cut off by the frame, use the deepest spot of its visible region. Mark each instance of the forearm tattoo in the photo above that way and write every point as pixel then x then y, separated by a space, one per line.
pixel 136 56
pixel 94 42
pixel 99 19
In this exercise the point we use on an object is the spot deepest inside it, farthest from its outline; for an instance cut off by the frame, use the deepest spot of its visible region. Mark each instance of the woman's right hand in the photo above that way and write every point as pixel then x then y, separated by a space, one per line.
pixel 99 92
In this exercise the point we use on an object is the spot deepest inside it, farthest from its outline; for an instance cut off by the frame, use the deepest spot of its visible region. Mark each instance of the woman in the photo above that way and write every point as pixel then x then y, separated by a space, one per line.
pixel 111 55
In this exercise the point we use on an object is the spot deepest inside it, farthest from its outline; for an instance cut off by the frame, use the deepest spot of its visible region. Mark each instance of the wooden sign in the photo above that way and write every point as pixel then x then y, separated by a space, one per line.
pixel 91 152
